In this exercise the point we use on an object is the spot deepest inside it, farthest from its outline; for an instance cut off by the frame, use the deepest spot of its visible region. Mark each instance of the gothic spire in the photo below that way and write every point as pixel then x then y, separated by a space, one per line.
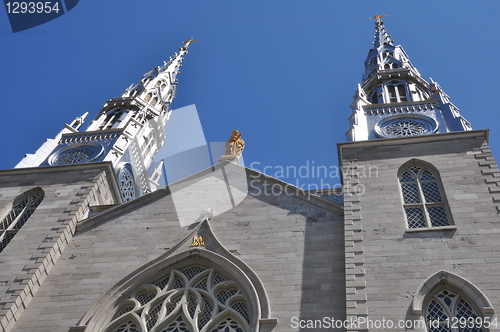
pixel 128 132
pixel 393 95
pixel 381 36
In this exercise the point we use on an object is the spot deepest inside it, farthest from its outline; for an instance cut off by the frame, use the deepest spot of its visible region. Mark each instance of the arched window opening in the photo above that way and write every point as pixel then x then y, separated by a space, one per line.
pixel 168 97
pixel 445 307
pixel 387 54
pixel 163 86
pixel 147 80
pixel 154 101
pixel 423 199
pixel 196 298
pixel 22 208
pixel 113 119
pixel 158 83
pixel 148 97
pixel 397 92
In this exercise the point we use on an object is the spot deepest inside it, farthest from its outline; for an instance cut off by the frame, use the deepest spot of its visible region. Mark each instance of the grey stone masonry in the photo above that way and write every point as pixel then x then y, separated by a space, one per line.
pixel 34 251
pixel 387 263
pixel 291 240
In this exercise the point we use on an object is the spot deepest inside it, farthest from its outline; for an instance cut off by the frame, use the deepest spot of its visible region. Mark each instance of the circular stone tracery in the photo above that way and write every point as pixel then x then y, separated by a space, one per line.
pixel 76 155
pixel 405 127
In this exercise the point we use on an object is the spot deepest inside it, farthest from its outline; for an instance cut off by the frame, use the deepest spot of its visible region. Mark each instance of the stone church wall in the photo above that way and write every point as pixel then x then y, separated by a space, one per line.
pixel 293 243
pixel 36 248
pixel 385 263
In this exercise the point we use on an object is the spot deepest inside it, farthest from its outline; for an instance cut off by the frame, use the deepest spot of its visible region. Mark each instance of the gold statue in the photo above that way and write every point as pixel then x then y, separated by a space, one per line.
pixel 198 241
pixel 235 145
pixel 377 17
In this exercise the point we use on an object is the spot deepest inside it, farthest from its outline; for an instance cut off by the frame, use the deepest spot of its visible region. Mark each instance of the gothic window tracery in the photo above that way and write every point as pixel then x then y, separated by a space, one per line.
pixel 390 65
pixel 194 299
pixel 397 91
pixel 22 208
pixel 387 53
pixel 423 199
pixel 445 307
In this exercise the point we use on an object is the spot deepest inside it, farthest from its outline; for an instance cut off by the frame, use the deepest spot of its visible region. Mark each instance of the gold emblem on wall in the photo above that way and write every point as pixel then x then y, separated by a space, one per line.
pixel 198 241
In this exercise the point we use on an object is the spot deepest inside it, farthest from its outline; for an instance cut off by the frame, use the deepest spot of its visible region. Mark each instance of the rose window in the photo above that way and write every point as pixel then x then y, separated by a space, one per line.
pixel 405 126
pixel 76 154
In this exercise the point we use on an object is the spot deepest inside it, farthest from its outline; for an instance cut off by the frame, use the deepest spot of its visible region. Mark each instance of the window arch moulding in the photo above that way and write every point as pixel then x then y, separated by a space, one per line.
pixel 155 280
pixel 450 280
pixel 424 201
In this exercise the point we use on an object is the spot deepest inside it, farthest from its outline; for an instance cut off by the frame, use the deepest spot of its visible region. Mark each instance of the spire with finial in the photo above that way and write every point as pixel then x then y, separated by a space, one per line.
pixel 381 36
pixel 128 132
pixel 393 94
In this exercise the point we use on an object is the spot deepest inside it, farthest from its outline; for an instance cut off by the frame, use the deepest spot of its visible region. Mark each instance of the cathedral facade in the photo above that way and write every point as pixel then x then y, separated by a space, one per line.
pixel 90 240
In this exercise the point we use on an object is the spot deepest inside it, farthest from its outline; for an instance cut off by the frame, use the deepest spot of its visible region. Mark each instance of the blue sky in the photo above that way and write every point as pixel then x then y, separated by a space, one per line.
pixel 282 72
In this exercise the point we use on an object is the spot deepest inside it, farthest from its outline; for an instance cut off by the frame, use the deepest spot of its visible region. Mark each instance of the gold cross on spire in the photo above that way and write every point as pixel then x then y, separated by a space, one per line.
pixel 187 42
pixel 377 17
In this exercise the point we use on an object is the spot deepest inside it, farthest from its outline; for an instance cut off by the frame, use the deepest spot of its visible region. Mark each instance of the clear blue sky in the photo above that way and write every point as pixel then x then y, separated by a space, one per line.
pixel 283 72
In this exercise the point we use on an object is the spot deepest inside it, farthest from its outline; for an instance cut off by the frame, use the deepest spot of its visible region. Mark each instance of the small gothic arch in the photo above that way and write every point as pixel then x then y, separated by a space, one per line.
pixel 148 97
pixel 387 53
pixel 443 282
pixel 154 101
pixel 424 201
pixel 16 215
pixel 147 80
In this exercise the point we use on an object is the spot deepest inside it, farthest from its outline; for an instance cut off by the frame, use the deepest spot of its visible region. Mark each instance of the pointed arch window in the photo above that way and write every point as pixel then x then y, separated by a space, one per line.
pixel 196 298
pixel 450 311
pixel 22 208
pixel 423 197
pixel 154 101
pixel 397 92
pixel 387 54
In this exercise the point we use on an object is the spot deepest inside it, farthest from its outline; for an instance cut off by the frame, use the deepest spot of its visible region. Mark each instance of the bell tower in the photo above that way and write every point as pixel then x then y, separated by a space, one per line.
pixel 127 132
pixel 393 100
pixel 419 202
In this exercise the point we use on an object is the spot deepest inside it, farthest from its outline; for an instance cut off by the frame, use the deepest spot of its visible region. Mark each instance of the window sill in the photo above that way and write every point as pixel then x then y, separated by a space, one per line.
pixel 432 229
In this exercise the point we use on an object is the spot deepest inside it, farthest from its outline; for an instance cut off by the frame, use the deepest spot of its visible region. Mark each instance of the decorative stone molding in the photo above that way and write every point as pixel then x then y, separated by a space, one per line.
pixel 398 109
pixel 447 278
pixel 89 136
